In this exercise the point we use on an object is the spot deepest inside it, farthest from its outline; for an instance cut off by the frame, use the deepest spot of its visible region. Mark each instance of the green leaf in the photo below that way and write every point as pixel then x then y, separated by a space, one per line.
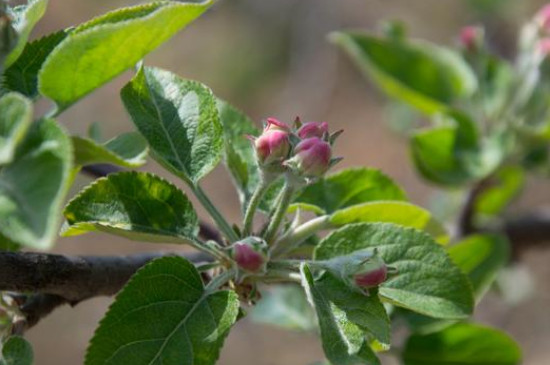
pixel 427 281
pixel 508 182
pixel 462 343
pixel 179 119
pixel 285 306
pixel 426 76
pixel 344 342
pixel 401 213
pixel 25 18
pixel 15 118
pixel 481 257
pixel 349 187
pixel 92 55
pixel 22 76
pixel 164 315
pixel 34 185
pixel 16 351
pixel 127 150
pixel 239 155
pixel 135 205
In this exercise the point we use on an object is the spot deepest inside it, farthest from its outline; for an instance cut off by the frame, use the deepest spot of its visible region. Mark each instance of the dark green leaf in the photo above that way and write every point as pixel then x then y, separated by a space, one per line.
pixel 16 351
pixel 34 185
pixel 179 119
pixel 344 342
pixel 127 150
pixel 97 51
pixel 164 315
pixel 349 187
pixel 15 118
pixel 427 281
pixel 463 343
pixel 135 205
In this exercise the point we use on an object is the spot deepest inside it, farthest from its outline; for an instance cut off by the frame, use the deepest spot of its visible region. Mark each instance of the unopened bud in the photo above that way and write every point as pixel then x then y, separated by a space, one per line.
pixel 471 37
pixel 312 157
pixel 543 47
pixel 250 254
pixel 276 124
pixel 313 129
pixel 372 273
pixel 542 18
pixel 272 146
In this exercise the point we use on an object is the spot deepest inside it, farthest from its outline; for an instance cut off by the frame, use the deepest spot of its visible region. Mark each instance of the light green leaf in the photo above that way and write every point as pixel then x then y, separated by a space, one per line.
pixel 285 306
pixel 344 342
pixel 164 315
pixel 427 281
pixel 179 119
pixel 16 351
pixel 481 257
pixel 127 150
pixel 401 213
pixel 15 118
pixel 508 182
pixel 22 76
pixel 34 185
pixel 426 76
pixel 25 18
pixel 349 187
pixel 99 50
pixel 135 205
pixel 462 343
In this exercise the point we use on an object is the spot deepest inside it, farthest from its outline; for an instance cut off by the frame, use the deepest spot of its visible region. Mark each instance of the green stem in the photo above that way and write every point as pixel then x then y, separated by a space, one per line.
pixel 252 206
pixel 292 239
pixel 277 218
pixel 222 224
pixel 220 280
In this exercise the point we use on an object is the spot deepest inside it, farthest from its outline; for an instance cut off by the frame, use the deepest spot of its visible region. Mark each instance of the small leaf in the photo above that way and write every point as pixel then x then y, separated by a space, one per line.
pixel 25 18
pixel 285 306
pixel 135 205
pixel 22 76
pixel 127 150
pixel 426 76
pixel 164 315
pixel 401 213
pixel 463 343
pixel 34 185
pixel 349 187
pixel 16 351
pixel 343 342
pixel 179 119
pixel 481 257
pixel 99 50
pixel 508 183
pixel 15 118
pixel 427 281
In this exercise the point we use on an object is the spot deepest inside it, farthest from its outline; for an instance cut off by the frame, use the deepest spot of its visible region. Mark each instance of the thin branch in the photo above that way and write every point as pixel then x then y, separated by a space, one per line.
pixel 527 231
pixel 465 224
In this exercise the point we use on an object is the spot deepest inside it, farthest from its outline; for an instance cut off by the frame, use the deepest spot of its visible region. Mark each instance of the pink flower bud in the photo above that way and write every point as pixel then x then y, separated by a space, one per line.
pixel 543 47
pixel 272 146
pixel 249 255
pixel 311 157
pixel 543 18
pixel 371 274
pixel 313 129
pixel 471 37
pixel 276 124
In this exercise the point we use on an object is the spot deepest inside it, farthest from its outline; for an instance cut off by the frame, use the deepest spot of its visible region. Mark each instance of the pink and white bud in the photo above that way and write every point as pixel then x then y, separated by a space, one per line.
pixel 313 129
pixel 372 273
pixel 273 145
pixel 276 124
pixel 542 18
pixel 471 37
pixel 250 254
pixel 312 157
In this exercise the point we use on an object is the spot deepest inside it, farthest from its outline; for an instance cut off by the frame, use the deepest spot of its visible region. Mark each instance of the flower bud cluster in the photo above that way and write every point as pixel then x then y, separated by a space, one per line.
pixel 251 255
pixel 305 149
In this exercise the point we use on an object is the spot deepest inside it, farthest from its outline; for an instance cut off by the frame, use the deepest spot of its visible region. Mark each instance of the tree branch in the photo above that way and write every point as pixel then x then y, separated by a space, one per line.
pixel 527 231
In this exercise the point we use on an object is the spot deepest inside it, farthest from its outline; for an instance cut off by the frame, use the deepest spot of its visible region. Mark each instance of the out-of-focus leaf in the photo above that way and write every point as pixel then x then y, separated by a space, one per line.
pixel 16 351
pixel 507 183
pixel 127 150
pixel 15 118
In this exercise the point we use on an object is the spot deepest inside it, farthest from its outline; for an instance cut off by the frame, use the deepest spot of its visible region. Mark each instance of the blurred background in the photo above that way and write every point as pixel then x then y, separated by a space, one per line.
pixel 272 58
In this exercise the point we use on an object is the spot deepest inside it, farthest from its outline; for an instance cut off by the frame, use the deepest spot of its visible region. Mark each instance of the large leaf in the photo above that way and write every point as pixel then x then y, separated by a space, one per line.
pixel 164 315
pixel 424 75
pixel 481 257
pixel 22 76
pixel 179 119
pixel 16 351
pixel 462 343
pixel 97 51
pixel 136 205
pixel 15 118
pixel 349 187
pixel 344 342
pixel 402 213
pixel 34 185
pixel 427 281
pixel 239 155
pixel 128 150
pixel 25 18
